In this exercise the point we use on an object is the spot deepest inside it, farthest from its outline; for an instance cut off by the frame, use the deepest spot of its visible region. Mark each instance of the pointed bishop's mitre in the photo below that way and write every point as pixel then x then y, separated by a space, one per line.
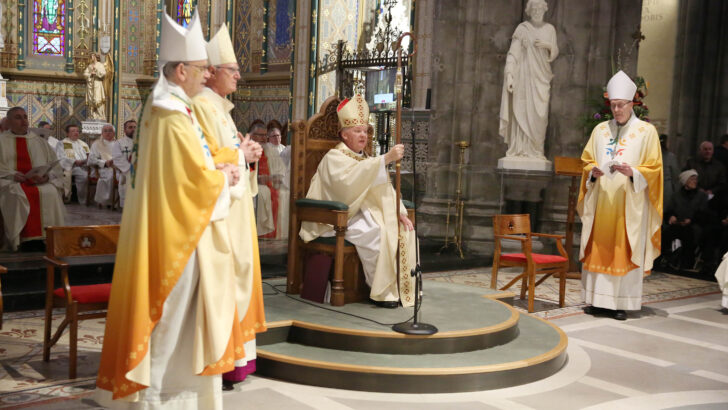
pixel 220 48
pixel 353 112
pixel 182 44
pixel 621 87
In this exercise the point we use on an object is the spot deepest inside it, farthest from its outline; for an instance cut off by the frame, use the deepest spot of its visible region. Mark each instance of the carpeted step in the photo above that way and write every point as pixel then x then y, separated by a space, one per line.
pixel 537 352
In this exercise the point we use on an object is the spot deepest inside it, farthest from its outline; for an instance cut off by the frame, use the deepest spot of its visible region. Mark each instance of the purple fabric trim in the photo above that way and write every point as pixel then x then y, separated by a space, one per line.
pixel 240 373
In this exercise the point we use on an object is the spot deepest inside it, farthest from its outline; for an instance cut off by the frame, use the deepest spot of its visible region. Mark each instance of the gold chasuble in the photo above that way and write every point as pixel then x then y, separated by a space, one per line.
pixel 167 216
pixel 213 113
pixel 621 218
pixel 362 183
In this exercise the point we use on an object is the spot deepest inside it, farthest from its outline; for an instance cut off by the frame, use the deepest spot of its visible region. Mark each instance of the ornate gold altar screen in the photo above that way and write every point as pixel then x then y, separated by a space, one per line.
pixel 571 167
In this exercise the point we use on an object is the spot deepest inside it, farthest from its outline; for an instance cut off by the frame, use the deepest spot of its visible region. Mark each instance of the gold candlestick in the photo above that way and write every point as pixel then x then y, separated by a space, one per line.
pixel 458 206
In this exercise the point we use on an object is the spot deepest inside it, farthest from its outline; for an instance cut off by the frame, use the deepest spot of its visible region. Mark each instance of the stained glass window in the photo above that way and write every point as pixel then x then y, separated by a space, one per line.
pixel 49 27
pixel 184 12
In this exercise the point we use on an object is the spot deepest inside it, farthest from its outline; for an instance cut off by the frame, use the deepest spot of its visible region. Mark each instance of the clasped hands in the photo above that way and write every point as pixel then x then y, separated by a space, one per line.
pixel 232 172
pixel 34 180
pixel 673 220
pixel 251 149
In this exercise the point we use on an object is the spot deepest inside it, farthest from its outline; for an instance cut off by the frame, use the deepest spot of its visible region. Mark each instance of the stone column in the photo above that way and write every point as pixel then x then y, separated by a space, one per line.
pixel 700 91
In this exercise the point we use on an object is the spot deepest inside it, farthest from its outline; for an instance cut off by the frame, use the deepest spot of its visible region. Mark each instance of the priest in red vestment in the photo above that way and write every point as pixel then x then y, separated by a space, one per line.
pixel 30 183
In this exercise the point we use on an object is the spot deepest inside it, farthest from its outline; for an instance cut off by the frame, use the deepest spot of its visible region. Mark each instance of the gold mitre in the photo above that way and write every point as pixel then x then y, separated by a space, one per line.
pixel 179 43
pixel 220 48
pixel 353 112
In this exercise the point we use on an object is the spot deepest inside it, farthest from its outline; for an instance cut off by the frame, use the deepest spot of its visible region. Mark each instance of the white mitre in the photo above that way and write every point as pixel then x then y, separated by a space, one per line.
pixel 220 48
pixel 177 44
pixel 621 87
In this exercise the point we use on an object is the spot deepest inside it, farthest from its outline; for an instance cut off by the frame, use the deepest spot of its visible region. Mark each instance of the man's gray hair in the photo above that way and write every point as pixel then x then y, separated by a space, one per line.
pixel 108 125
pixel 168 69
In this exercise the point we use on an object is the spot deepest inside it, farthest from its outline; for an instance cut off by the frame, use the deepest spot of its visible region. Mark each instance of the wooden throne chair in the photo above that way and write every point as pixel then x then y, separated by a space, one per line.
pixel 312 139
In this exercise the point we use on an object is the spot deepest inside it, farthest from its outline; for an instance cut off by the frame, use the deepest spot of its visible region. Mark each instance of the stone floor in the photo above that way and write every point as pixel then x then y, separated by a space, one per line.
pixel 672 354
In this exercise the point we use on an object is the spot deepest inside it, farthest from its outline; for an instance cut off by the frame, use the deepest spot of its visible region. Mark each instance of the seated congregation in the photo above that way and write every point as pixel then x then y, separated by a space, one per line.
pixel 40 174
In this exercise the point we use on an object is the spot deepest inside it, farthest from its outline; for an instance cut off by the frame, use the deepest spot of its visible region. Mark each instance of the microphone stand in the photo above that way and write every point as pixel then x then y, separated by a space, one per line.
pixel 414 328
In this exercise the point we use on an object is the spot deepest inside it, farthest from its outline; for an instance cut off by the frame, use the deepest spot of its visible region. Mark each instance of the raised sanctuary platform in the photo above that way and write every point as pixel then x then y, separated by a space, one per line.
pixel 483 343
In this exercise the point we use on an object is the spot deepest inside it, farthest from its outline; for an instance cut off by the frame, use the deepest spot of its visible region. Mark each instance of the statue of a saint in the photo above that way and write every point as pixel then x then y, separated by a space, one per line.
pixel 95 92
pixel 525 102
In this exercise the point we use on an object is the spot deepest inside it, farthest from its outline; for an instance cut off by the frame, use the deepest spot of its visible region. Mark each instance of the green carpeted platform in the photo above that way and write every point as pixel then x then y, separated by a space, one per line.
pixel 483 343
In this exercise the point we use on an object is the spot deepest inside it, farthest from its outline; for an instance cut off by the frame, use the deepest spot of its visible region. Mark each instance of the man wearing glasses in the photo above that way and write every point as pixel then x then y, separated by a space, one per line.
pixel 172 325
pixel 227 145
pixel 620 205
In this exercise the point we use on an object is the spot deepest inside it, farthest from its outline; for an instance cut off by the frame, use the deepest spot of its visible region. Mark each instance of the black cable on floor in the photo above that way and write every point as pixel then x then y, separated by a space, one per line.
pixel 316 305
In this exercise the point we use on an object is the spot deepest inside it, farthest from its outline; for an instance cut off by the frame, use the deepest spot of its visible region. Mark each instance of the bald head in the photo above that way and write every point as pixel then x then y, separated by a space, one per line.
pixel 706 151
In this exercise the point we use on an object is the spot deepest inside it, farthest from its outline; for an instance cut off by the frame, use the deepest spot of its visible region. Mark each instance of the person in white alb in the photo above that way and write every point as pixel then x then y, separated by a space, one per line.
pixel 101 157
pixel 74 153
pixel 121 155
pixel 28 202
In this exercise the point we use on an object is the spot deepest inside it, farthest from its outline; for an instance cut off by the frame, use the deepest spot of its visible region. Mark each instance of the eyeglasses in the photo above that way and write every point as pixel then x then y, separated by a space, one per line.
pixel 232 70
pixel 619 105
pixel 199 67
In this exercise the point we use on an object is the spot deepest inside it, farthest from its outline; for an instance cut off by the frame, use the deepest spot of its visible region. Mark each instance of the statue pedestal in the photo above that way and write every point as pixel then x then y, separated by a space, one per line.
pixel 521 192
pixel 524 163
pixel 92 128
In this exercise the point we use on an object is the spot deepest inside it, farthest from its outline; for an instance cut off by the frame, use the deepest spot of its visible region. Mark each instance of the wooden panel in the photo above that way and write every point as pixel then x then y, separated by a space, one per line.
pixel 81 240
pixel 511 224
pixel 570 166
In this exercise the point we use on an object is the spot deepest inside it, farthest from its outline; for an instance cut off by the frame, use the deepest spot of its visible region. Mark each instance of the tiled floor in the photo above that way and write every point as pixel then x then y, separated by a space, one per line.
pixel 673 354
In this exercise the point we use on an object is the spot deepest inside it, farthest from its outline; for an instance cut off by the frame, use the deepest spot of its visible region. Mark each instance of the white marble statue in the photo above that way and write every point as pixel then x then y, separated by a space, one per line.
pixel 95 93
pixel 526 89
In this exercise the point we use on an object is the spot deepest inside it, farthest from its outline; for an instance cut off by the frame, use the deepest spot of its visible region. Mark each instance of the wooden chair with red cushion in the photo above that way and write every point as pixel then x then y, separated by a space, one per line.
pixel 72 246
pixel 518 228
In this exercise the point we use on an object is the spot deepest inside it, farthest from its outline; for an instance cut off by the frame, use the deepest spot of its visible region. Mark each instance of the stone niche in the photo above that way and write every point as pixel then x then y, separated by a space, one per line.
pixel 468 58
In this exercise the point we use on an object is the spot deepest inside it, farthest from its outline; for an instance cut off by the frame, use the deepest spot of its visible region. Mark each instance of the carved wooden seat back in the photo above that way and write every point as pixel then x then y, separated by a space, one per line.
pixel 312 139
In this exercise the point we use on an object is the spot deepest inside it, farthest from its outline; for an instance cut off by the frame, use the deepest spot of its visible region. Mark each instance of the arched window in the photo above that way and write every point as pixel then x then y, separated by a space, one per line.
pixel 49 27
pixel 184 12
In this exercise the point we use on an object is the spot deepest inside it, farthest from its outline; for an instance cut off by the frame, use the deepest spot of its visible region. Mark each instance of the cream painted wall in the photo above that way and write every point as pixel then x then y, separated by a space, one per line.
pixel 657 57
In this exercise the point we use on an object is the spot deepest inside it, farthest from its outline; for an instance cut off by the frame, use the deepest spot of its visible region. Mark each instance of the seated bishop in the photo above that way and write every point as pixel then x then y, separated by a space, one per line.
pixel 30 201
pixel 348 174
